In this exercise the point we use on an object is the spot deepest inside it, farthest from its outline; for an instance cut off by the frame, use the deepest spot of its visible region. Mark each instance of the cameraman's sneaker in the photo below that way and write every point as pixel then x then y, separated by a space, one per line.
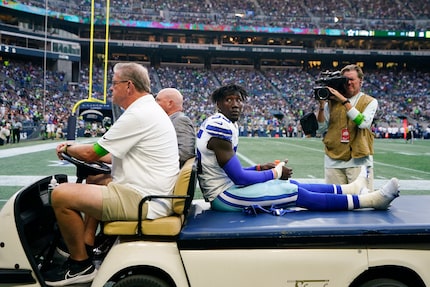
pixel 71 272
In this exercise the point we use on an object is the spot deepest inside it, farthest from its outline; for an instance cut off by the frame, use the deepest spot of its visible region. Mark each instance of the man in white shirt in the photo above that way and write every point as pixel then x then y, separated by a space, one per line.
pixel 142 147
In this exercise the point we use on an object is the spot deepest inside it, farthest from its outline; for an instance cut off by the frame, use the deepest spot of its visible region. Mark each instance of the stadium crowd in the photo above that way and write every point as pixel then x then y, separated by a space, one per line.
pixel 279 97
pixel 339 14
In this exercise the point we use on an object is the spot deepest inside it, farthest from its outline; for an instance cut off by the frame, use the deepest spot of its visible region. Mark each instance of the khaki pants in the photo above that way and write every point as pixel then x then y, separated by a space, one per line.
pixel 121 202
pixel 347 175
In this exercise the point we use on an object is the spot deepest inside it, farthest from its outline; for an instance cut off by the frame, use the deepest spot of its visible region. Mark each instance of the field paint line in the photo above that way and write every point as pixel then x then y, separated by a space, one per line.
pixel 27 180
pixel 17 150
pixel 21 181
pixel 246 159
pixel 374 162
pixel 26 149
pixel 393 147
pixel 304 147
pixel 402 168
pixel 405 184
pixel 24 180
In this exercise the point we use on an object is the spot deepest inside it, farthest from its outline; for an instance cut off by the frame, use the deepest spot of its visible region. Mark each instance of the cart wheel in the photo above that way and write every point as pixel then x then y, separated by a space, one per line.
pixel 383 282
pixel 141 280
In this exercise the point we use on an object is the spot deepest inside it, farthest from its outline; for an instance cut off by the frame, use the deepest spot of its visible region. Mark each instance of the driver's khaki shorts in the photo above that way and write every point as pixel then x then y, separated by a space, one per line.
pixel 120 202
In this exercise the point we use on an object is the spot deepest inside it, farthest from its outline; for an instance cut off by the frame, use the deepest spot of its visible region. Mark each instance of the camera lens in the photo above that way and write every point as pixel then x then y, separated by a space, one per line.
pixel 323 93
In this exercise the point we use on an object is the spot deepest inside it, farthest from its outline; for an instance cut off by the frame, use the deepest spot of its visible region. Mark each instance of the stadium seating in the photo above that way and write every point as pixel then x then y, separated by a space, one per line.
pixel 278 97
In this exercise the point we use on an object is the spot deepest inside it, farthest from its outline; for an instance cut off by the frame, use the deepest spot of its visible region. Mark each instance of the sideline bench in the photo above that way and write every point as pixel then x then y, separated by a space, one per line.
pixel 182 196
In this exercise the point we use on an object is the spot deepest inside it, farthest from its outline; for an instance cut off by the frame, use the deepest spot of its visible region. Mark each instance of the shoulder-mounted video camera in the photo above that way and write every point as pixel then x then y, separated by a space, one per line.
pixel 333 80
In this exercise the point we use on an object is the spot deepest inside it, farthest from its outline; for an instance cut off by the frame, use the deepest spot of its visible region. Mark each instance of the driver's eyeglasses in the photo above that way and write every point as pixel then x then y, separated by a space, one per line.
pixel 114 83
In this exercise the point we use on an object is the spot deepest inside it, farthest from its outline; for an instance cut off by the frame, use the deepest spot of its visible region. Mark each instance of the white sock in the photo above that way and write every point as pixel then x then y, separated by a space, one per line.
pixel 357 185
pixel 381 199
pixel 364 190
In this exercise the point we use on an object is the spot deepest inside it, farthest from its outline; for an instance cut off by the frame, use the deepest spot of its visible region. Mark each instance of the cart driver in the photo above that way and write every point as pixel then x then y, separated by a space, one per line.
pixel 144 153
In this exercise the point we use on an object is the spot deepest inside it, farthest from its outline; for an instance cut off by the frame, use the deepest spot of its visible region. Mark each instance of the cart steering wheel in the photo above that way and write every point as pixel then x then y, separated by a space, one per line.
pixel 84 169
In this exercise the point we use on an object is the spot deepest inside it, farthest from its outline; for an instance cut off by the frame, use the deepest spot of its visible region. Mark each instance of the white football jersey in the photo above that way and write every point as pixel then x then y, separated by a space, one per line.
pixel 212 178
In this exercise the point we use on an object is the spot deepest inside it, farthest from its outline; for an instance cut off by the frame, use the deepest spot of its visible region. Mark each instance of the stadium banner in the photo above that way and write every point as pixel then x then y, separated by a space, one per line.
pixel 221 28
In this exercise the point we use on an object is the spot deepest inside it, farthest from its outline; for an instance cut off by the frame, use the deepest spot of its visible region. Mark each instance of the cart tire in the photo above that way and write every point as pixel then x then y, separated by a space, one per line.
pixel 141 280
pixel 383 282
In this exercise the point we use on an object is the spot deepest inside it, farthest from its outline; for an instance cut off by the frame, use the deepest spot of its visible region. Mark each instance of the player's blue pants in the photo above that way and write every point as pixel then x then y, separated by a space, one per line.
pixel 323 197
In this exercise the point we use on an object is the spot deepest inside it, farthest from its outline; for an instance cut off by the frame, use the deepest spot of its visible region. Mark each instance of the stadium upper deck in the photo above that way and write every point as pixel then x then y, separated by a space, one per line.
pixel 341 14
pixel 245 32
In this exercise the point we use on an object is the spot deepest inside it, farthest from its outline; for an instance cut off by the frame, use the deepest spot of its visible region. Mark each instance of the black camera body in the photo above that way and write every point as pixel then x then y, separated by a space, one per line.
pixel 333 80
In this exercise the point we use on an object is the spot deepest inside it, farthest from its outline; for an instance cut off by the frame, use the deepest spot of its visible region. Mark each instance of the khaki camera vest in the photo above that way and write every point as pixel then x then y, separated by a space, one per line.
pixel 361 140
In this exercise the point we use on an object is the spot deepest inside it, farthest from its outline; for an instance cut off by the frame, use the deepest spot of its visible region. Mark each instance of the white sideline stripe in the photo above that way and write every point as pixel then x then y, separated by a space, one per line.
pixel 36 148
pixel 27 149
pixel 25 180
pixel 17 180
pixel 375 162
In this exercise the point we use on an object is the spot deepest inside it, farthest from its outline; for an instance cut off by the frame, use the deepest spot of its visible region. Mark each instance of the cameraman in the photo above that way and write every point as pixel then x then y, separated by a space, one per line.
pixel 346 122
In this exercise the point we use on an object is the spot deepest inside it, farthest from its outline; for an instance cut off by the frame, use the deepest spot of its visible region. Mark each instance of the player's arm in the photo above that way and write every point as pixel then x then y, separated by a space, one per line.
pixel 228 160
pixel 222 148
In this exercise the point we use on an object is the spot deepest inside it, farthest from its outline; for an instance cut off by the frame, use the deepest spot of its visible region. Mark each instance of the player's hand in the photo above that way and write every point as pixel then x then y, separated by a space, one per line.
pixel 286 173
pixel 277 170
pixel 271 165
pixel 281 171
pixel 267 166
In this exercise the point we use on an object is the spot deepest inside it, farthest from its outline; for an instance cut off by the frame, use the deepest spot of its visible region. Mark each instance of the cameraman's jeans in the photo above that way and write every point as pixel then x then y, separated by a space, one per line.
pixel 347 175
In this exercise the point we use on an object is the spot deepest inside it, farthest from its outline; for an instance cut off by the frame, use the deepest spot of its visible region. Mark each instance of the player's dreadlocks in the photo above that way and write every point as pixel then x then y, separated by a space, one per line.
pixel 227 90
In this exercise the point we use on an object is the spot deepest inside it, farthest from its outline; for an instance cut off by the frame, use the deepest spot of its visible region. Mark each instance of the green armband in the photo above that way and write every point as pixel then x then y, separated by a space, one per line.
pixel 99 150
pixel 359 119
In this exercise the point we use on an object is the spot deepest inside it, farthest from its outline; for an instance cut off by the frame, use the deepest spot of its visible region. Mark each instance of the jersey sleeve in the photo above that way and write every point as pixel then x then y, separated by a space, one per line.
pixel 218 127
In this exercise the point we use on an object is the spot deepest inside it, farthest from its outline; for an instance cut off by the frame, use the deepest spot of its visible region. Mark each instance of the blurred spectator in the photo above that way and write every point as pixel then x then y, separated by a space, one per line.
pixel 281 96
pixel 4 134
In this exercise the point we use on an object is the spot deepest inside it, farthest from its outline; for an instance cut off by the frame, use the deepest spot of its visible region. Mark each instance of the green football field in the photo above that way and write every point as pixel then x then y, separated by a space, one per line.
pixel 22 163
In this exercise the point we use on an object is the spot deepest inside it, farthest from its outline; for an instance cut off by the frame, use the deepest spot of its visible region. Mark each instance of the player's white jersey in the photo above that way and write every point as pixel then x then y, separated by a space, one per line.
pixel 212 178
